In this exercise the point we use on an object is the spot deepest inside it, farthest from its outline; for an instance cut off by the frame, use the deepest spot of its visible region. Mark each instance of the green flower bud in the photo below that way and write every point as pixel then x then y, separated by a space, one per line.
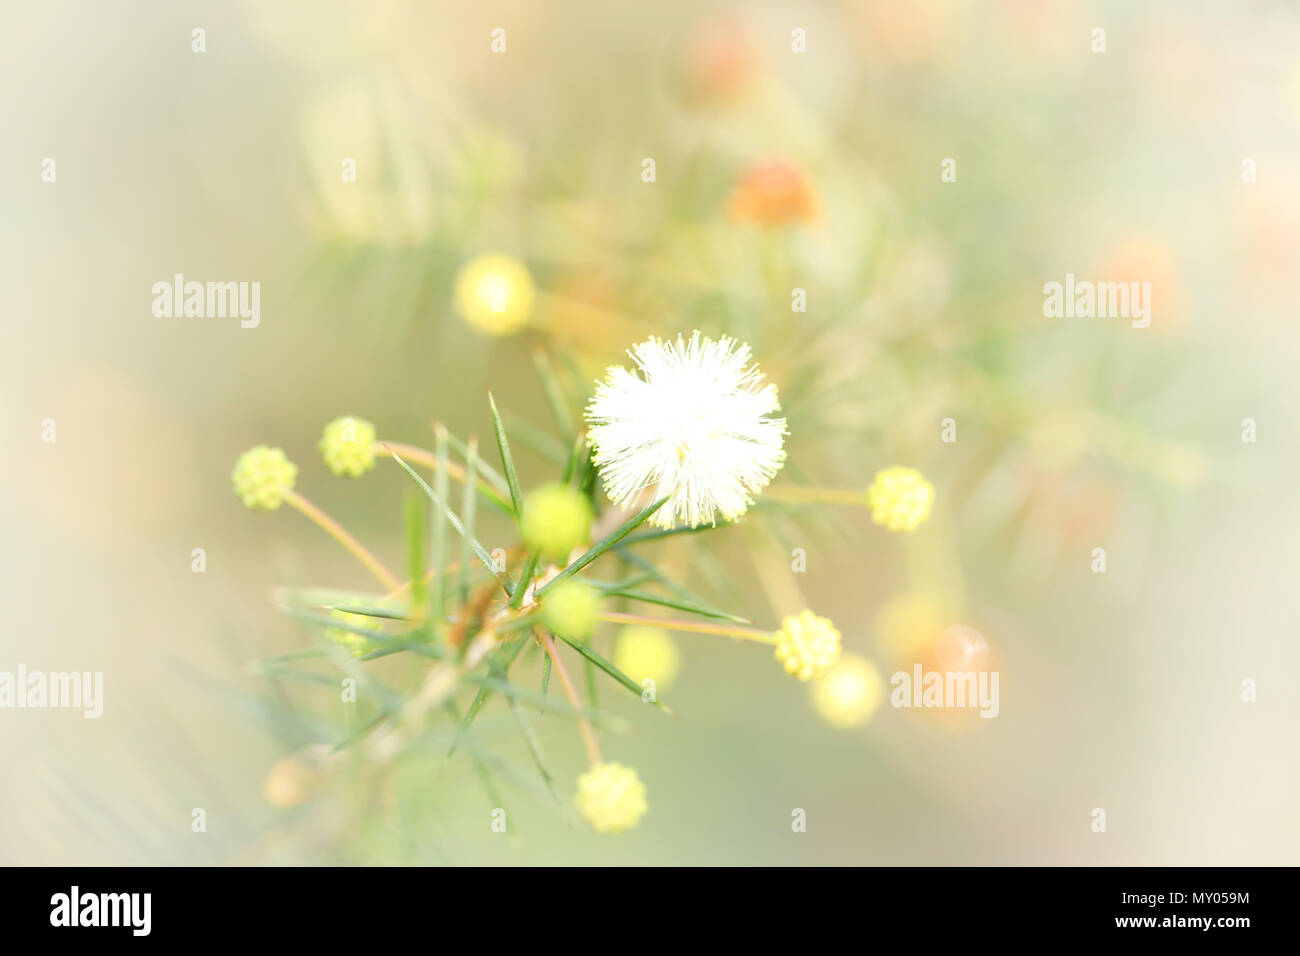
pixel 348 446
pixel 557 519
pixel 263 476
pixel 571 609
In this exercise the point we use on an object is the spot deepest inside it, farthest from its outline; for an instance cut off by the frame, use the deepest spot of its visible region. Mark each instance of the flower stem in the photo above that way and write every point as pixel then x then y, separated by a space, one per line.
pixel 698 627
pixel 804 494
pixel 345 538
pixel 584 725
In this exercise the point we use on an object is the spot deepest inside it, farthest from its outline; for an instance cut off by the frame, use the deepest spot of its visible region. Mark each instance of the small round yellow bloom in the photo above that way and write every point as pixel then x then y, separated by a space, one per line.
pixel 611 797
pixel 290 782
pixel 807 645
pixel 358 645
pixel 571 609
pixel 850 692
pixel 557 519
pixel 648 653
pixel 263 476
pixel 494 294
pixel 348 446
pixel 900 498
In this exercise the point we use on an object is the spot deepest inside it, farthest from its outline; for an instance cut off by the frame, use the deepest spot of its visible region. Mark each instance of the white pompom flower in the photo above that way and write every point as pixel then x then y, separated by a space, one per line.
pixel 692 423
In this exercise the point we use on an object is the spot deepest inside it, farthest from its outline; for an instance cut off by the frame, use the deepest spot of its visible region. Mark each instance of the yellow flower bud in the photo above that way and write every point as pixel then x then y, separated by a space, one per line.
pixel 900 498
pixel 557 519
pixel 348 446
pixel 850 692
pixel 494 294
pixel 263 476
pixel 611 797
pixel 807 645
pixel 571 609
pixel 648 653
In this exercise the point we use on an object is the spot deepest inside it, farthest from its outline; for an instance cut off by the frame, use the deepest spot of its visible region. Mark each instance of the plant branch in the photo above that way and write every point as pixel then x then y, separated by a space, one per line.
pixel 345 538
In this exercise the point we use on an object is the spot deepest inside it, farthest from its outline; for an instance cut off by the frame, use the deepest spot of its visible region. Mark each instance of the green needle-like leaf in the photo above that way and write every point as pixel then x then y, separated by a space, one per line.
pixel 554 390
pixel 331 597
pixel 603 545
pixel 593 693
pixel 546 673
pixel 421 647
pixel 478 549
pixel 585 649
pixel 415 566
pixel 549 449
pixel 525 577
pixel 467 510
pixel 634 559
pixel 623 584
pixel 498 663
pixel 507 460
pixel 380 612
pixel 534 745
pixel 587 475
pixel 557 706
pixel 672 532
pixel 341 624
pixel 576 455
pixel 438 538
pixel 490 474
pixel 485 775
pixel 650 598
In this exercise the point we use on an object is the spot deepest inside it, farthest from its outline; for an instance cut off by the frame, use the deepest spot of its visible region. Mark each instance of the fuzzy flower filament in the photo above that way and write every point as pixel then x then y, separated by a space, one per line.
pixel 692 424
